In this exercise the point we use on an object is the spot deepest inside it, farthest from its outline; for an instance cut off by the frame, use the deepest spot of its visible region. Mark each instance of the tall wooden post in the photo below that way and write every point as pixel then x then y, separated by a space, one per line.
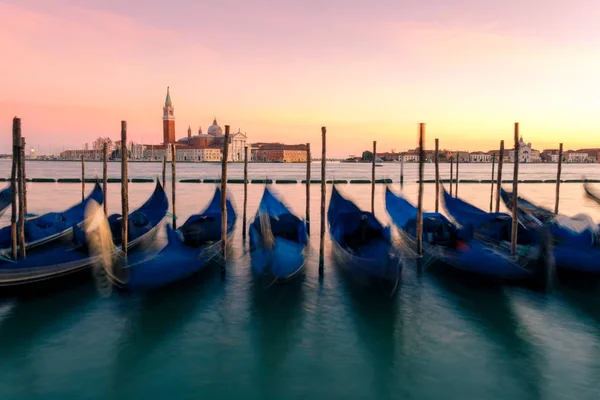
pixel 499 180
pixel 373 177
pixel 245 191
pixel 308 165
pixel 224 198
pixel 492 185
pixel 105 175
pixel 451 174
pixel 124 188
pixel 24 191
pixel 323 194
pixel 515 195
pixel 560 153
pixel 173 182
pixel 457 162
pixel 21 189
pixel 437 176
pixel 82 178
pixel 16 136
pixel 164 169
pixel 420 201
pixel 401 171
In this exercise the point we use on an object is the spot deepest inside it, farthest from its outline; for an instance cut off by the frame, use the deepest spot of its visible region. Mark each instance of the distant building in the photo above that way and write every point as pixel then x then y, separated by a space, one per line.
pixel 526 153
pixel 278 152
pixel 571 156
pixel 76 155
pixel 480 156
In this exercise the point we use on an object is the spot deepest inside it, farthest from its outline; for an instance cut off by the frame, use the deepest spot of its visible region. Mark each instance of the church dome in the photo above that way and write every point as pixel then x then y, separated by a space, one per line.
pixel 215 129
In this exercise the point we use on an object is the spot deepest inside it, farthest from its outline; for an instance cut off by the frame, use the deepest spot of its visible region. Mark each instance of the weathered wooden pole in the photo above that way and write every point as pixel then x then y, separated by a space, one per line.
pixel 451 174
pixel 499 180
pixel 21 190
pixel 492 185
pixel 515 195
pixel 437 176
pixel 124 188
pixel 105 175
pixel 457 162
pixel 224 198
pixel 164 169
pixel 560 152
pixel 401 171
pixel 24 191
pixel 373 176
pixel 82 178
pixel 16 135
pixel 420 201
pixel 308 165
pixel 323 194
pixel 173 182
pixel 245 191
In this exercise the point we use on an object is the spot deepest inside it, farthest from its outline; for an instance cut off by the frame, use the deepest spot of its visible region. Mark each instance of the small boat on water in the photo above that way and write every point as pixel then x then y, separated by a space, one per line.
pixel 189 249
pixel 378 162
pixel 4 199
pixel 362 246
pixel 64 261
pixel 278 240
pixel 52 227
pixel 576 239
pixel 534 247
pixel 453 248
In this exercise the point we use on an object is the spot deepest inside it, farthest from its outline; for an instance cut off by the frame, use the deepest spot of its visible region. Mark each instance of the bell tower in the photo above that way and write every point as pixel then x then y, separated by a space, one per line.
pixel 168 120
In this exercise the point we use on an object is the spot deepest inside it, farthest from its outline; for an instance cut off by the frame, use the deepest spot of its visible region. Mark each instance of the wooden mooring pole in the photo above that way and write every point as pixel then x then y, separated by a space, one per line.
pixel 560 153
pixel 245 192
pixel 515 195
pixel 82 178
pixel 420 201
pixel 164 170
pixel 224 199
pixel 373 176
pixel 492 185
pixel 105 176
pixel 451 174
pixel 401 171
pixel 437 176
pixel 308 165
pixel 323 194
pixel 124 188
pixel 499 180
pixel 457 162
pixel 16 138
pixel 173 182
pixel 24 191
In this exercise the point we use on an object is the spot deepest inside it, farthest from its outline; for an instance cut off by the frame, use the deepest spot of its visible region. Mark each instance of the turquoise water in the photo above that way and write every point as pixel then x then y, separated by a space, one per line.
pixel 209 337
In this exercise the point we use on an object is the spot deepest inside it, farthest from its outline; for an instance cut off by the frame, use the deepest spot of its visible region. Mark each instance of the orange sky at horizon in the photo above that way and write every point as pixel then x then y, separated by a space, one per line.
pixel 280 71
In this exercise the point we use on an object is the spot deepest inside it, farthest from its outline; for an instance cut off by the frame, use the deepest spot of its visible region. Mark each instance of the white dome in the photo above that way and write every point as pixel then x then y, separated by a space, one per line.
pixel 214 129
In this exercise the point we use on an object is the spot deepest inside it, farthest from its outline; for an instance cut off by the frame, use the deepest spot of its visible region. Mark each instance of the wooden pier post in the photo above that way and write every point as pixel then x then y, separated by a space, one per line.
pixel 82 178
pixel 245 192
pixel 308 165
pixel 515 195
pixel 492 185
pixel 124 188
pixel 173 182
pixel 24 191
pixel 164 170
pixel 323 194
pixel 224 199
pixel 105 176
pixel 420 201
pixel 499 180
pixel 456 186
pixel 401 171
pixel 16 138
pixel 373 176
pixel 560 152
pixel 437 176
pixel 451 174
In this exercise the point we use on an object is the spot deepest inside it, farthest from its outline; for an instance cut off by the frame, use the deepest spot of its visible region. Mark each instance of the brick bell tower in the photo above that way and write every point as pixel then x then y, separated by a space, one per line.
pixel 168 120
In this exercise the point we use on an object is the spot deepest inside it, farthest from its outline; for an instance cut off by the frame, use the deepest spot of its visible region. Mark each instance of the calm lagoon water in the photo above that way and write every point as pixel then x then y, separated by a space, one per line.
pixel 438 338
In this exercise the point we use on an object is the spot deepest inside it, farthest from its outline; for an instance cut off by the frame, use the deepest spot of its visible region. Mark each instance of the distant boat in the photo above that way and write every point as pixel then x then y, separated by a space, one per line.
pixel 378 162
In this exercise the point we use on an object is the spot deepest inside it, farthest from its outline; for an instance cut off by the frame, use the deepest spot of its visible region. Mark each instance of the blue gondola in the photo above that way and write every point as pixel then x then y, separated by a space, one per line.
pixel 4 200
pixel 446 245
pixel 52 227
pixel 576 239
pixel 362 246
pixel 534 253
pixel 278 240
pixel 50 266
pixel 189 249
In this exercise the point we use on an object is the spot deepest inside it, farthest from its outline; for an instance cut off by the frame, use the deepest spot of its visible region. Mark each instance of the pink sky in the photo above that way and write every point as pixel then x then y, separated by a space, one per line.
pixel 279 70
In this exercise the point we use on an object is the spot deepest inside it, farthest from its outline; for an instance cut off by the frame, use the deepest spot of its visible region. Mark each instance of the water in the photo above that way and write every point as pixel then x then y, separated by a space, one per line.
pixel 318 338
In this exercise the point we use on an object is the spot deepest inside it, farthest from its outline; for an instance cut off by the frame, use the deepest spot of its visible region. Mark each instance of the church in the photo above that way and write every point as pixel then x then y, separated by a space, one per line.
pixel 199 147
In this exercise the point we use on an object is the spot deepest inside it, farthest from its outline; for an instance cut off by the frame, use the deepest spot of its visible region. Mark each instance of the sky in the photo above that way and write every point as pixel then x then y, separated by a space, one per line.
pixel 279 70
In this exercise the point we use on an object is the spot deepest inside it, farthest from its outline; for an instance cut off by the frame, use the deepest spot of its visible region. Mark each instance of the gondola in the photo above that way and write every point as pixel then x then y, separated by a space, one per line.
pixel 53 227
pixel 278 240
pixel 576 239
pixel 534 247
pixel 62 262
pixel 4 200
pixel 362 246
pixel 188 250
pixel 451 248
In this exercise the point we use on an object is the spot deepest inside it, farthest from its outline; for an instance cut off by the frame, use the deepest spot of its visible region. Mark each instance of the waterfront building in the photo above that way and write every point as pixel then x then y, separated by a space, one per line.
pixel 279 152
pixel 480 156
pixel 526 153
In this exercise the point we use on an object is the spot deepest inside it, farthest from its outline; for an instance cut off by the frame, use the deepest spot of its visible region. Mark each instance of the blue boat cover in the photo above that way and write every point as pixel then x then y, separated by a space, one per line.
pixel 4 199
